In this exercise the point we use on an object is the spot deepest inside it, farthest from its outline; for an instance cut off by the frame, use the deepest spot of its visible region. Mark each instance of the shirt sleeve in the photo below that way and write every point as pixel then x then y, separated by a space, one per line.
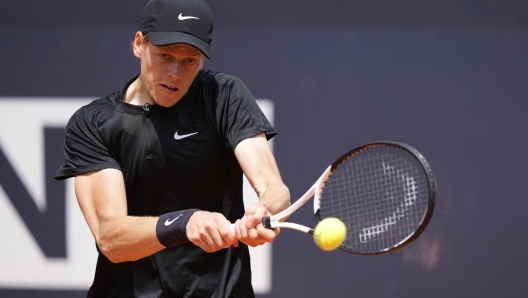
pixel 239 115
pixel 84 149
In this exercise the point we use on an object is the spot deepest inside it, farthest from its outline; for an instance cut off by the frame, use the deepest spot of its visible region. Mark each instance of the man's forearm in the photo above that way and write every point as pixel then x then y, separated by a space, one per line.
pixel 128 238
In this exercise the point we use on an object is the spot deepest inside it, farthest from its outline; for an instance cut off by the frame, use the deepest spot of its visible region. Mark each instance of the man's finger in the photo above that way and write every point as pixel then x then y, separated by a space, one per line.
pixel 243 228
pixel 227 236
pixel 253 234
pixel 267 234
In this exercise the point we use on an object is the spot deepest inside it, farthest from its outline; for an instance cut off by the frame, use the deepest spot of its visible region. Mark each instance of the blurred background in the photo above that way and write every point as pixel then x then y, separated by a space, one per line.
pixel 448 77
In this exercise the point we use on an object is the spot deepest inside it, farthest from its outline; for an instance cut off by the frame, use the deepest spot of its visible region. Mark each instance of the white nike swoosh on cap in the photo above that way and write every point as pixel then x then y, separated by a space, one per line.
pixel 181 18
pixel 178 137
pixel 168 223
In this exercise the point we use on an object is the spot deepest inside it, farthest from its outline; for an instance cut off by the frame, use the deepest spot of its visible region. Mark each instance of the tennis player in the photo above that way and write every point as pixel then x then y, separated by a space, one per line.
pixel 158 168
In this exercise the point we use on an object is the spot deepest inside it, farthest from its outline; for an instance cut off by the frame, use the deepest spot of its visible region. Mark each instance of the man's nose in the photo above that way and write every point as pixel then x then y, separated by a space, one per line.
pixel 174 69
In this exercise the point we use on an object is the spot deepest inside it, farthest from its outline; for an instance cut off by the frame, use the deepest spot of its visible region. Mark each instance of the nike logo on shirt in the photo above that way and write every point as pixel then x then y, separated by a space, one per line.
pixel 179 137
pixel 181 18
pixel 168 223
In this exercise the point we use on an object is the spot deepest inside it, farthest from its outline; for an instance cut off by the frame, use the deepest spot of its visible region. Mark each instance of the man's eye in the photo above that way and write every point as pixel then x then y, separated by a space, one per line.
pixel 190 61
pixel 164 56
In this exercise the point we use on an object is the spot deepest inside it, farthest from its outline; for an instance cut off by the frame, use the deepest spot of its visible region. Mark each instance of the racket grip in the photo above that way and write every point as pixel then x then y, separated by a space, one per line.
pixel 266 222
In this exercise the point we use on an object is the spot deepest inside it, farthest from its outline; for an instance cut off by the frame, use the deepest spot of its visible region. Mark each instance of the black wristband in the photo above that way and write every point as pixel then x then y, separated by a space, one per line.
pixel 171 227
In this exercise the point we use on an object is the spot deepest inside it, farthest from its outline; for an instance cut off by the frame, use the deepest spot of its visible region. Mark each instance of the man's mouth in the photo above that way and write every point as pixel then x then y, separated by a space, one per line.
pixel 172 88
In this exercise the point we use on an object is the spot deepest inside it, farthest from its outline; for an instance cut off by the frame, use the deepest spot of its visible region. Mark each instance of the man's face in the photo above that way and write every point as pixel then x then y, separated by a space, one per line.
pixel 167 72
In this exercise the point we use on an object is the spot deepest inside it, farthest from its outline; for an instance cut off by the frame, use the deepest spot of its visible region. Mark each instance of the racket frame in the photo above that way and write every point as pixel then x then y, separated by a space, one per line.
pixel 431 181
pixel 316 191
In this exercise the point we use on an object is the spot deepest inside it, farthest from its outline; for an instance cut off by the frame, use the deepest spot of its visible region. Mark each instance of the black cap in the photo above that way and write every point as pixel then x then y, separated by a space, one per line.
pixel 179 21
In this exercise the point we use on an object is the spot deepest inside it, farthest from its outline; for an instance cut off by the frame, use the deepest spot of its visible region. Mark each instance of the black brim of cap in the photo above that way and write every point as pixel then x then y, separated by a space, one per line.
pixel 166 38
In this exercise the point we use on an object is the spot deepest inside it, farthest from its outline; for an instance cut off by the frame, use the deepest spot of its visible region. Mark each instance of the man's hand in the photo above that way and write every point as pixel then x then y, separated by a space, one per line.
pixel 210 231
pixel 249 230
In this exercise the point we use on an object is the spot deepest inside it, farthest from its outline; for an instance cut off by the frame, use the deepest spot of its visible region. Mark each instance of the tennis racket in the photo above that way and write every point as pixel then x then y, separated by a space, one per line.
pixel 384 193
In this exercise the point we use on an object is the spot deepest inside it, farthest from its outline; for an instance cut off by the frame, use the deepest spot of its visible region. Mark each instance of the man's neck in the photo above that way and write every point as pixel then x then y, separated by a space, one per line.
pixel 136 94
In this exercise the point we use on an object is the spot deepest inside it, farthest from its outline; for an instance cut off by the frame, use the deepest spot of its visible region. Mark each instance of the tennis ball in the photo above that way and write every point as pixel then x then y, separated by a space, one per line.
pixel 329 233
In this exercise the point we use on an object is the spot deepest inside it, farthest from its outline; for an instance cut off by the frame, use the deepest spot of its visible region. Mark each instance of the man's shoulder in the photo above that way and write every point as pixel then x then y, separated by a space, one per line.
pixel 228 85
pixel 100 105
pixel 107 103
pixel 210 77
pixel 96 111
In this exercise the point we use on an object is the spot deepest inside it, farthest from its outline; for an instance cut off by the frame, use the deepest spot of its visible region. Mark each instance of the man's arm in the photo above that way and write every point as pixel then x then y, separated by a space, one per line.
pixel 102 198
pixel 258 163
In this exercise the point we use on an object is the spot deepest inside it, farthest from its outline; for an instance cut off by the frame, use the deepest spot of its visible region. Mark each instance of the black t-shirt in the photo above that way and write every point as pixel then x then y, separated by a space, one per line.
pixel 172 159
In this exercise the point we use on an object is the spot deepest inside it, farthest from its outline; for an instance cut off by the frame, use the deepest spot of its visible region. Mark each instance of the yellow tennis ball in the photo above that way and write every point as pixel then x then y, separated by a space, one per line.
pixel 329 233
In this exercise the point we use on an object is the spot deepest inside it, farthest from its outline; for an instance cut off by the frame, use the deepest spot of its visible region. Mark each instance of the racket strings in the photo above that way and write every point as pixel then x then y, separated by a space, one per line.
pixel 381 194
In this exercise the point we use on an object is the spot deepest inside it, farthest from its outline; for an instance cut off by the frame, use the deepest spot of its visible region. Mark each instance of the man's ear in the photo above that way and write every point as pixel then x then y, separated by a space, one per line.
pixel 138 42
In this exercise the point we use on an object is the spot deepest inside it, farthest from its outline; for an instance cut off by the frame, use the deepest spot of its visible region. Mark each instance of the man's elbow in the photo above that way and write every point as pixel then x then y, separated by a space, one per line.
pixel 109 250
